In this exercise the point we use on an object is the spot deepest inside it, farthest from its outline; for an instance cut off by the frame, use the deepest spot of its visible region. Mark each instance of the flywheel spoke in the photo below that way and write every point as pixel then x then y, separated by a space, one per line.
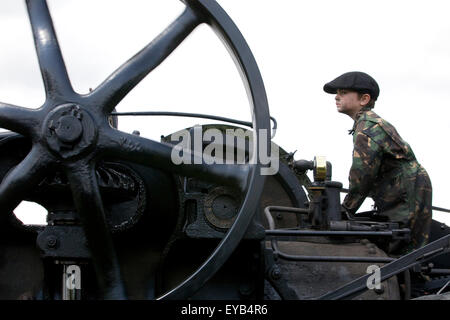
pixel 118 144
pixel 53 69
pixel 18 119
pixel 124 79
pixel 22 179
pixel 89 205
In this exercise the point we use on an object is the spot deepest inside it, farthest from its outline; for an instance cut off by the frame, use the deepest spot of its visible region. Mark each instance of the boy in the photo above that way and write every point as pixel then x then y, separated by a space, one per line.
pixel 384 166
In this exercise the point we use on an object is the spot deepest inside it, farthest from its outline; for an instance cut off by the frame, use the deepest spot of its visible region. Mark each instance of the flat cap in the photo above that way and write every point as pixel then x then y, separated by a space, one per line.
pixel 355 80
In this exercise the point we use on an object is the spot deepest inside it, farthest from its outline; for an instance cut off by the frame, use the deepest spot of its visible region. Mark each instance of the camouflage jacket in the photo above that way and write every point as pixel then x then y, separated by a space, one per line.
pixel 384 167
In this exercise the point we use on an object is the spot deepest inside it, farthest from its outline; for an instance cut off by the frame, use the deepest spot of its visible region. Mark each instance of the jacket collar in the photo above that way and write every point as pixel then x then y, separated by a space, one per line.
pixel 358 116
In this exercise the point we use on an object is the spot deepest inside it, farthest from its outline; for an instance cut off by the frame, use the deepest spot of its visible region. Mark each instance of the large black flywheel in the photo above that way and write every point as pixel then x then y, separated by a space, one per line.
pixel 71 133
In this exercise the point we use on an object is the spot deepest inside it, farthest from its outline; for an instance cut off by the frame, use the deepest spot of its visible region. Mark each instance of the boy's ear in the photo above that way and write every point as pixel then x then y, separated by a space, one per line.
pixel 365 98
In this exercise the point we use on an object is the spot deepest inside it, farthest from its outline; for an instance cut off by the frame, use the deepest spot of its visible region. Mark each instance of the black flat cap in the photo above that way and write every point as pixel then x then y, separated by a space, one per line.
pixel 355 80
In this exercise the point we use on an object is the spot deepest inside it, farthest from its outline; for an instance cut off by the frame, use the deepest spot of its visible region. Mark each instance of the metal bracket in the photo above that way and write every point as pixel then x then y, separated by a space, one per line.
pixel 275 278
pixel 63 242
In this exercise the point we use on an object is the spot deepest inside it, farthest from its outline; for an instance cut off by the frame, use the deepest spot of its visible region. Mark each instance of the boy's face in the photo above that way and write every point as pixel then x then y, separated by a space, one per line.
pixel 349 102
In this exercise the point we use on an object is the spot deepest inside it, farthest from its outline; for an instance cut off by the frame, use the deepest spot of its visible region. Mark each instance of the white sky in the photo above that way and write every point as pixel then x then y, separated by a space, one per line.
pixel 298 45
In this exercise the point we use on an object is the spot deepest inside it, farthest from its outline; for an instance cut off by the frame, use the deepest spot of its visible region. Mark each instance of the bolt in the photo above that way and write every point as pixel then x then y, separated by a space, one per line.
pixel 69 129
pixel 372 251
pixel 51 125
pixel 77 114
pixel 136 133
pixel 26 296
pixel 245 290
pixel 364 241
pixel 52 241
pixel 276 273
pixel 379 290
pixel 428 267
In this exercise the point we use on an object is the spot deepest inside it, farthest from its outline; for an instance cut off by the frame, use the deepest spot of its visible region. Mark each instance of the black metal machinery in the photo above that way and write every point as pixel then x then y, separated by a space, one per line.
pixel 126 222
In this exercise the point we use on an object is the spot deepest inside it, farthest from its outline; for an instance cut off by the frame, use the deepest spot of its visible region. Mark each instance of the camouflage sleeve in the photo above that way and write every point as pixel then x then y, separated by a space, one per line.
pixel 366 164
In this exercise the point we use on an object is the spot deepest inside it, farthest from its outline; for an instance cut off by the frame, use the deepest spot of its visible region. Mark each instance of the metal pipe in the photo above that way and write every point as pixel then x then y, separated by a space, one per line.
pixel 287 209
pixel 439 271
pixel 442 289
pixel 440 209
pixel 282 209
pixel 193 115
pixel 344 190
pixel 332 258
pixel 304 233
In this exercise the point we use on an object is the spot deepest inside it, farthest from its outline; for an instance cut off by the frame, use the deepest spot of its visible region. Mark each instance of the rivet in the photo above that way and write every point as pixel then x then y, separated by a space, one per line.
pixel 52 241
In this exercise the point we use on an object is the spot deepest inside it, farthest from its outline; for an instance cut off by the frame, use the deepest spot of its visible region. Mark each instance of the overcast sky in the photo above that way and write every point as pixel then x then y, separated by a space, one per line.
pixel 298 45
